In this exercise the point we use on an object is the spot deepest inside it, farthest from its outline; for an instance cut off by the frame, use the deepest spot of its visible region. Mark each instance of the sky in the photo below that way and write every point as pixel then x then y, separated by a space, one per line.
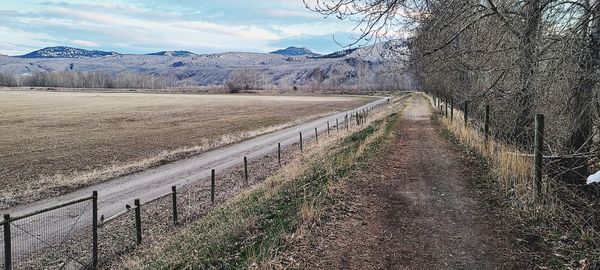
pixel 146 26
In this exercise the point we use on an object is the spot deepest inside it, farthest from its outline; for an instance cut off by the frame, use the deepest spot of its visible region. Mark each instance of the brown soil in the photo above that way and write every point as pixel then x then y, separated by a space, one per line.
pixel 53 142
pixel 417 207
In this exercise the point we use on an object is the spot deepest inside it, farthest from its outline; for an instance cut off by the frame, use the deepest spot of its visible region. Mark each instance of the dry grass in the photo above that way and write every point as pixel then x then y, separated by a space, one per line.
pixel 566 217
pixel 512 169
pixel 55 141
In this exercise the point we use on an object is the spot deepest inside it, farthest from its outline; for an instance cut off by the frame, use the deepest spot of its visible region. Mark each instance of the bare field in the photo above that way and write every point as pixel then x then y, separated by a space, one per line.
pixel 53 142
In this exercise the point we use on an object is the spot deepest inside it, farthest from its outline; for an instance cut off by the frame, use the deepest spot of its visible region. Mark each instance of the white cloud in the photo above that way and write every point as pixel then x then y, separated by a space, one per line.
pixel 85 43
pixel 23 42
pixel 139 27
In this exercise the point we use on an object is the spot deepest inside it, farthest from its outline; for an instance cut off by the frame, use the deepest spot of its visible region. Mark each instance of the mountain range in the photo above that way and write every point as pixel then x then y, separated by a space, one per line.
pixel 282 68
pixel 70 52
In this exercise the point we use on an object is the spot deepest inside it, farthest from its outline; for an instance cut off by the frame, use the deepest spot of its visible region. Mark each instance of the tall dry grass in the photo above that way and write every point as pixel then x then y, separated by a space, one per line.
pixel 565 216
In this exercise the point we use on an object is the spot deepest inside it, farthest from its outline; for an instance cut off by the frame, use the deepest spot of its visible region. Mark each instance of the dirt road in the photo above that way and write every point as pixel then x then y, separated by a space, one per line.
pixel 416 207
pixel 115 194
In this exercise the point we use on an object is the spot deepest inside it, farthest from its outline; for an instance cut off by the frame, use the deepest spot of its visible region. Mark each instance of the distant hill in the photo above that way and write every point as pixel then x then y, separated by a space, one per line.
pixel 65 52
pixel 295 51
pixel 284 68
pixel 174 53
pixel 338 54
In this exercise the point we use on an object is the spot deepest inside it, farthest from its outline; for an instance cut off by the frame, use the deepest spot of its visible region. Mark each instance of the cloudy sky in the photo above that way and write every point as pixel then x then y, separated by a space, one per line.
pixel 144 26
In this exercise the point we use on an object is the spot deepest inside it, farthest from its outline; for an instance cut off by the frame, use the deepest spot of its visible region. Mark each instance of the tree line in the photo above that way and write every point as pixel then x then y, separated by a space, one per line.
pixel 520 56
pixel 96 79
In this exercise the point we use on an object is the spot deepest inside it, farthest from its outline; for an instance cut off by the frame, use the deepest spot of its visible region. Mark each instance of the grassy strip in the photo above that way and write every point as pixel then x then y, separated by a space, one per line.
pixel 252 227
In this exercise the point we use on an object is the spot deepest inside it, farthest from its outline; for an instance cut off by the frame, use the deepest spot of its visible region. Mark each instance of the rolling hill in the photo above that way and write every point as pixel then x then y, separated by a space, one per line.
pixel 284 68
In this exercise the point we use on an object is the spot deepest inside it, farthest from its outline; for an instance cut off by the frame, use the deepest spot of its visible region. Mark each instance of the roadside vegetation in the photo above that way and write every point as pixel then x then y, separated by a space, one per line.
pixel 563 220
pixel 253 228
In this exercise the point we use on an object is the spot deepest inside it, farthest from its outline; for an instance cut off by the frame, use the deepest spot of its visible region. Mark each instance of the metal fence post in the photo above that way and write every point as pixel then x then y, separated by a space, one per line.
pixel 212 183
pixel 174 197
pixel 316 135
pixel 246 170
pixel 7 244
pixel 279 154
pixel 486 126
pixel 138 221
pixel 301 150
pixel 538 152
pixel 337 124
pixel 327 128
pixel 94 229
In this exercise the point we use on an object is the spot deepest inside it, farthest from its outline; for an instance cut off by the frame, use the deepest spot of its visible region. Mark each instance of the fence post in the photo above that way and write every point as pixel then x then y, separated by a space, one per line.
pixel 279 154
pixel 466 112
pixel 7 243
pixel 337 124
pixel 246 170
pixel 212 184
pixel 451 110
pixel 138 220
pixel 346 121
pixel 446 103
pixel 301 150
pixel 538 152
pixel 316 135
pixel 94 229
pixel 486 127
pixel 174 196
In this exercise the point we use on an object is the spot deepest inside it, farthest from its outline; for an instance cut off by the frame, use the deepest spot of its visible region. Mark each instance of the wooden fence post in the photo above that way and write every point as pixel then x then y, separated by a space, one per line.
pixel 538 153
pixel 94 229
pixel 279 154
pixel 174 197
pixel 212 184
pixel 246 169
pixel 138 221
pixel 301 150
pixel 486 127
pixel 327 128
pixel 316 135
pixel 446 104
pixel 451 110
pixel 346 122
pixel 466 113
pixel 7 243
pixel 337 125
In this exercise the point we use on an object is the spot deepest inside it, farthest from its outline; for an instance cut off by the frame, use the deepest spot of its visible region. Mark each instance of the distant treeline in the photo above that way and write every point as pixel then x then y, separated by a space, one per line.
pixel 97 79
pixel 361 78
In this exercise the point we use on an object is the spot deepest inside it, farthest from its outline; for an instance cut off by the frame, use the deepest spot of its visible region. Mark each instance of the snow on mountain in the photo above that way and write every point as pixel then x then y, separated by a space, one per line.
pixel 65 52
pixel 295 51
pixel 174 53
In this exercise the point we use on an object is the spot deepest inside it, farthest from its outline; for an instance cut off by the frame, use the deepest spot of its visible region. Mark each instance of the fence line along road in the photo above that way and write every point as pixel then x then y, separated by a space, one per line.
pixel 148 184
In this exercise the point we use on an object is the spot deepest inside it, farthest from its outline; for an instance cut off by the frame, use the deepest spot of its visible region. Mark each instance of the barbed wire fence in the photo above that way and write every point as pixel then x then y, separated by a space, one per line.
pixel 567 205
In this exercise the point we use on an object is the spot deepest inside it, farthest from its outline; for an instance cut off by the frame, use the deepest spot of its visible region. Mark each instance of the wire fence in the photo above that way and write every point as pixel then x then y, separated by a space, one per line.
pixel 72 236
pixel 546 185
pixel 51 238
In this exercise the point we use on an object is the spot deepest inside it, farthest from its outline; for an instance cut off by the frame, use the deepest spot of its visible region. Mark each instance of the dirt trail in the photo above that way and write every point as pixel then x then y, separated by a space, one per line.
pixel 416 208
